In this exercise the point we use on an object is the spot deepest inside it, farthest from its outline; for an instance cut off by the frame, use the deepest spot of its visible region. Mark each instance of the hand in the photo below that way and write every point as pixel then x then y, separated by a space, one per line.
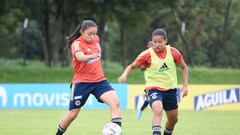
pixel 95 55
pixel 184 91
pixel 122 78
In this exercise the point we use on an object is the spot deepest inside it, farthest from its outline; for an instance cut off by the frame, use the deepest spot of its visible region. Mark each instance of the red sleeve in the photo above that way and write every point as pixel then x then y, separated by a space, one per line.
pixel 143 60
pixel 75 47
pixel 177 56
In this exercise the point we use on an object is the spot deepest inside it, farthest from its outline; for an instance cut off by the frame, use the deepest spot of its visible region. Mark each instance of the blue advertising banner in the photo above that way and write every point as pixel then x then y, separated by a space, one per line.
pixel 217 98
pixel 49 96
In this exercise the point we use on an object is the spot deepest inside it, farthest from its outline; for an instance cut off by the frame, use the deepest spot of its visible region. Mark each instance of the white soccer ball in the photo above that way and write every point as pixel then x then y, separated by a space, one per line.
pixel 112 129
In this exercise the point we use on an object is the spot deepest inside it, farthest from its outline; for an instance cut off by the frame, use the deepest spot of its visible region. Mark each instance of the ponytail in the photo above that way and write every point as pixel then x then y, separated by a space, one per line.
pixel 75 34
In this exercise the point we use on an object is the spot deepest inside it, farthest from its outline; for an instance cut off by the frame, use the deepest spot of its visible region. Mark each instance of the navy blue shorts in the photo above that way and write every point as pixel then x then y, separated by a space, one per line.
pixel 168 98
pixel 81 91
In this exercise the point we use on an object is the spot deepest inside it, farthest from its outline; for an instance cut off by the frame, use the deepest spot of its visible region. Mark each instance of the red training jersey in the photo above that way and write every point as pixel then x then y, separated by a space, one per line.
pixel 90 71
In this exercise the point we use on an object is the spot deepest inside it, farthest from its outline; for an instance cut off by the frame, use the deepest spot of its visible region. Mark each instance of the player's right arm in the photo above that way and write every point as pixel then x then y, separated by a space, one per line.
pixel 126 72
pixel 142 62
pixel 83 58
pixel 79 55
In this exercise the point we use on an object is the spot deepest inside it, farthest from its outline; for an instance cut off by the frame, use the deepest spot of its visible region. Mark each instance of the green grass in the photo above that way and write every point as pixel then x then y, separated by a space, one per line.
pixel 13 71
pixel 91 122
pixel 64 75
pixel 214 76
pixel 35 75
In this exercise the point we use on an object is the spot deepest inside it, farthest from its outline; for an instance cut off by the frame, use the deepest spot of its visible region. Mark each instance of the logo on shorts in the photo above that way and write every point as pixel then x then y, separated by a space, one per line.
pixel 77 103
pixel 154 96
pixel 78 97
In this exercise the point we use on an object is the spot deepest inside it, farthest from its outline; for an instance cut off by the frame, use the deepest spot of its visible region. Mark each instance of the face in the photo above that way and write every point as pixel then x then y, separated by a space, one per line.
pixel 159 42
pixel 89 34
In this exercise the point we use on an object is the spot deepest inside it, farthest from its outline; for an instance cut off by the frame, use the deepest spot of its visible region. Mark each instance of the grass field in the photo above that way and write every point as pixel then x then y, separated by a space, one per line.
pixel 64 75
pixel 90 122
pixel 37 72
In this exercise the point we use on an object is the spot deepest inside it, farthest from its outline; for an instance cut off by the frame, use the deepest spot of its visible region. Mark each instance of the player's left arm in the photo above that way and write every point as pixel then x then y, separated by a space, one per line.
pixel 178 59
pixel 184 70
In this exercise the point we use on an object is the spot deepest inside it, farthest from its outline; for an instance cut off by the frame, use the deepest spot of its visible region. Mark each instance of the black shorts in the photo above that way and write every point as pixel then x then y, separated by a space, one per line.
pixel 81 91
pixel 168 98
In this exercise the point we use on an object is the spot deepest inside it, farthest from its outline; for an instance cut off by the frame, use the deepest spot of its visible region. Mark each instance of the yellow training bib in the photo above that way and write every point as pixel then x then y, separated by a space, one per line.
pixel 162 72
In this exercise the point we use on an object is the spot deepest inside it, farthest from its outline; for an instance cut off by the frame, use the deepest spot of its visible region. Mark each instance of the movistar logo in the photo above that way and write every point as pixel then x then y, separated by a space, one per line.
pixel 164 67
pixel 3 96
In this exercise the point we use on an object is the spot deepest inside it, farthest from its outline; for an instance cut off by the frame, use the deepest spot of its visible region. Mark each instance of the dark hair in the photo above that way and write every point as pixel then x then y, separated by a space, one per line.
pixel 81 27
pixel 160 31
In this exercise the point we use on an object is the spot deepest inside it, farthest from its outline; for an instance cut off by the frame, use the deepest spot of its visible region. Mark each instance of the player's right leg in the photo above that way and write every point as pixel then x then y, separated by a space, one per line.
pixel 157 110
pixel 155 102
pixel 67 120
pixel 79 95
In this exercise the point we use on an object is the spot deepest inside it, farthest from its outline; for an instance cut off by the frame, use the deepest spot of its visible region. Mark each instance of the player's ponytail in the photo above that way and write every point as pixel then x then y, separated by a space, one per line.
pixel 80 28
pixel 74 35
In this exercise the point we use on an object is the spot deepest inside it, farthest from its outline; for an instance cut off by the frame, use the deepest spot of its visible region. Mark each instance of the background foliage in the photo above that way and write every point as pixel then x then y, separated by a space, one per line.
pixel 211 37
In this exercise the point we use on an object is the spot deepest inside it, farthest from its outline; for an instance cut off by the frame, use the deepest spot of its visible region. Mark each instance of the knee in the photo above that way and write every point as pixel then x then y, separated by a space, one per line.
pixel 72 114
pixel 115 104
pixel 157 108
pixel 174 120
pixel 158 112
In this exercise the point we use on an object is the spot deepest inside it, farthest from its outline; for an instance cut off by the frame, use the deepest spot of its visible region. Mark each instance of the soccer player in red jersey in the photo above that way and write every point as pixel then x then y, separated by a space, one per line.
pixel 88 77
pixel 159 65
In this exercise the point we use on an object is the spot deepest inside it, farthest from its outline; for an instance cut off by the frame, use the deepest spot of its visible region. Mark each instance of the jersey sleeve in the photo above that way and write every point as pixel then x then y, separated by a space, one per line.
pixel 143 60
pixel 177 56
pixel 76 47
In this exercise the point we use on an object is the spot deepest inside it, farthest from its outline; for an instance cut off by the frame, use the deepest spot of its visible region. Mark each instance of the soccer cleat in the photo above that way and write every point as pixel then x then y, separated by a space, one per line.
pixel 139 114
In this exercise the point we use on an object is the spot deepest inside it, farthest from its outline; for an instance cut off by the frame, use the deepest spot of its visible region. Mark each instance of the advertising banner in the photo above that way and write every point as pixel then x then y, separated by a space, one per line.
pixel 200 97
pixel 48 96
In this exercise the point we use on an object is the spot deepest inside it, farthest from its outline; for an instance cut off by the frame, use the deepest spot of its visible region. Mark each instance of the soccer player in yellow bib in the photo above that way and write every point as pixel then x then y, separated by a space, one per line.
pixel 159 65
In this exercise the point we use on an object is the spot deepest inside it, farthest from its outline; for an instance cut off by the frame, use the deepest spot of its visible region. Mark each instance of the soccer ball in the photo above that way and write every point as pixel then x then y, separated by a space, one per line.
pixel 112 129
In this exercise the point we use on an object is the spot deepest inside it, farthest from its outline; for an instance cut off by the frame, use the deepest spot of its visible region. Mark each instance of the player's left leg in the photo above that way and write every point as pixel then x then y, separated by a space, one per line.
pixel 172 119
pixel 105 93
pixel 171 108
pixel 110 98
